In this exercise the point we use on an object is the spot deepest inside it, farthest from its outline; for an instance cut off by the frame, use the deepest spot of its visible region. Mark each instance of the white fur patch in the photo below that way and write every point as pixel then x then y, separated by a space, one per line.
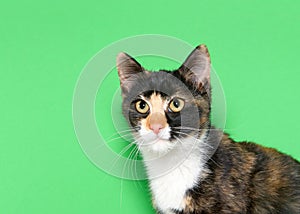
pixel 173 173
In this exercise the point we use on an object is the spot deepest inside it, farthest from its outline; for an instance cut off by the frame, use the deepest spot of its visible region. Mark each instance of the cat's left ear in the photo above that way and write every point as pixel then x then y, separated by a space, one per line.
pixel 196 69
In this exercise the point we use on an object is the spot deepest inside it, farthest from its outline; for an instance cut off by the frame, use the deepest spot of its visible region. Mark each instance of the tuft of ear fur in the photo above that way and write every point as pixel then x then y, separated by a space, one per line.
pixel 127 67
pixel 196 69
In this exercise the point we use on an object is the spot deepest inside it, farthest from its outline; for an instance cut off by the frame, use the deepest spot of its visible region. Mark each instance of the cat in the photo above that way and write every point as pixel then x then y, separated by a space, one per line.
pixel 193 167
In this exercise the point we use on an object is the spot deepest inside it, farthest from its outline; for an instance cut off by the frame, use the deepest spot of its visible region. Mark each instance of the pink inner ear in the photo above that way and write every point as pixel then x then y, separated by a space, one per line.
pixel 196 68
pixel 127 66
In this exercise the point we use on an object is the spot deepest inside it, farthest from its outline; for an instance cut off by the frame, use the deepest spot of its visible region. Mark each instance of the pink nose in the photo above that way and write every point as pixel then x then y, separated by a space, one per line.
pixel 156 127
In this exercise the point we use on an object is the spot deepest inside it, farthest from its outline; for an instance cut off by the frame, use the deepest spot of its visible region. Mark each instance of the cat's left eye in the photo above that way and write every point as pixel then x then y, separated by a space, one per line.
pixel 176 105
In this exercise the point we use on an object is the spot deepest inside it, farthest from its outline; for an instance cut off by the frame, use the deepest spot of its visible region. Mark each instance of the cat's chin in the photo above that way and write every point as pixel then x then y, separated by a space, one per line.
pixel 158 147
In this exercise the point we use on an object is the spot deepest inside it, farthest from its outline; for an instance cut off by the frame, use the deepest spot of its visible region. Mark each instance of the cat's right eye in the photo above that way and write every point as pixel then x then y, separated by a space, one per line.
pixel 176 105
pixel 141 106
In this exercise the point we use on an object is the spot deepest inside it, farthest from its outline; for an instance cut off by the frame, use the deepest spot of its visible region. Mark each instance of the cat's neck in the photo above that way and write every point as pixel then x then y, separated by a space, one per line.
pixel 174 173
pixel 160 164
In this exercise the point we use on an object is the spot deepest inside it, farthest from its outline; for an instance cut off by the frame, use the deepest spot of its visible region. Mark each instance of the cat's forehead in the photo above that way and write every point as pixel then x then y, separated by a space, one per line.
pixel 162 83
pixel 160 97
pixel 153 94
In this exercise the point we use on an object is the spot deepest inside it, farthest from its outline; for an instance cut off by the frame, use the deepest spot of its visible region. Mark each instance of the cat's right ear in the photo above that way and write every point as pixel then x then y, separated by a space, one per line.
pixel 196 69
pixel 127 67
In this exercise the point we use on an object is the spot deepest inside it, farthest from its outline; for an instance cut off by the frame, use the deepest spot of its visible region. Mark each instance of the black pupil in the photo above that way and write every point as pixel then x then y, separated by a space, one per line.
pixel 176 103
pixel 142 104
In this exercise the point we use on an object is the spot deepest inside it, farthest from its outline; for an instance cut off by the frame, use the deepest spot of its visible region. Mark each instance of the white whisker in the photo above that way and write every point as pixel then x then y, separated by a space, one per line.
pixel 177 132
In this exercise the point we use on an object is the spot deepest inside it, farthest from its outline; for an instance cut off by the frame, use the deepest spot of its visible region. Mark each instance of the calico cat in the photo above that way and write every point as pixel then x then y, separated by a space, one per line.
pixel 193 167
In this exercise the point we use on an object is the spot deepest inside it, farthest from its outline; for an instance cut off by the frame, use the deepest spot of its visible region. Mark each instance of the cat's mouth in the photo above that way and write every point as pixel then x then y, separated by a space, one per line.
pixel 158 142
pixel 163 135
pixel 154 138
pixel 158 146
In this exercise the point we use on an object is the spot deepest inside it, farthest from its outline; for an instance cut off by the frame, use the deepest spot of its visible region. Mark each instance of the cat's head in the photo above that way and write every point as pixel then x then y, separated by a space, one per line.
pixel 166 108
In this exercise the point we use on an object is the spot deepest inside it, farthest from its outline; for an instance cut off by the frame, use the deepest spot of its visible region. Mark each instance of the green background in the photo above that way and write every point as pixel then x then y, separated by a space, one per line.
pixel 254 47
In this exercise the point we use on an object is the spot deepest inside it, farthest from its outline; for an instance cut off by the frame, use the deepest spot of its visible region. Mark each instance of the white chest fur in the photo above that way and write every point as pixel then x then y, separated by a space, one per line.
pixel 169 188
